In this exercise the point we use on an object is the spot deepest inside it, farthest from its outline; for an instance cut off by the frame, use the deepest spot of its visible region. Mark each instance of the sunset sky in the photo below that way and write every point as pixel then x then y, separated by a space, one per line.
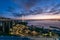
pixel 30 9
pixel 39 17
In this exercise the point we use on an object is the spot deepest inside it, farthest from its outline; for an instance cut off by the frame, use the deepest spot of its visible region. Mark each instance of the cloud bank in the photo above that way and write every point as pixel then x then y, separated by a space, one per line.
pixel 34 7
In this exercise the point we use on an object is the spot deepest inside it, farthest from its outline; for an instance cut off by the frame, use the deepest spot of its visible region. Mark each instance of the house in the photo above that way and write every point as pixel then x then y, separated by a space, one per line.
pixel 5 24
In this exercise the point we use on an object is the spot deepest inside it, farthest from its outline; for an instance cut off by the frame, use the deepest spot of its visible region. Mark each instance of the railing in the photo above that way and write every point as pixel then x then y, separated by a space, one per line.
pixel 45 38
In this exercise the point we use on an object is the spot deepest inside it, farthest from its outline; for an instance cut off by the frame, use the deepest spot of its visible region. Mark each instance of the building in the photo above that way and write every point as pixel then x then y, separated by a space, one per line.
pixel 5 24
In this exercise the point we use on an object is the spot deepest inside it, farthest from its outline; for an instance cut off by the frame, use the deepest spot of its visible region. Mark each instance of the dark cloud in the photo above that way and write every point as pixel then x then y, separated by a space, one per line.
pixel 36 11
pixel 30 12
pixel 26 3
pixel 17 14
pixel 57 12
pixel 53 7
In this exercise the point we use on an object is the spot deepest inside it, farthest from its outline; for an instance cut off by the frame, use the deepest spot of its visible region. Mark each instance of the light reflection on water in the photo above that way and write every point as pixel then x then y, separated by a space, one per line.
pixel 44 23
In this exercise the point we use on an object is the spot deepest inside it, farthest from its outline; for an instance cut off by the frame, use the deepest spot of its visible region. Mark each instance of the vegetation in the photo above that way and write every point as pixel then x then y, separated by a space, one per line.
pixel 23 30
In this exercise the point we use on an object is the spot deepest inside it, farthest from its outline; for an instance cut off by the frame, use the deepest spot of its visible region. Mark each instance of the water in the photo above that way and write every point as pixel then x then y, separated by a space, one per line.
pixel 24 38
pixel 46 24
pixel 13 38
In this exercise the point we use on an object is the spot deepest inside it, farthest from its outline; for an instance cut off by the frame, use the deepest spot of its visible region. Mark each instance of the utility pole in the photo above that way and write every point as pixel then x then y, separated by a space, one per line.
pixel 23 18
pixel 3 27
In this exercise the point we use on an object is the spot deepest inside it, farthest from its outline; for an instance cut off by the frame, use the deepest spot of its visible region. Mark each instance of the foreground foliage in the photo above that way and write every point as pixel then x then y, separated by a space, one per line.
pixel 23 30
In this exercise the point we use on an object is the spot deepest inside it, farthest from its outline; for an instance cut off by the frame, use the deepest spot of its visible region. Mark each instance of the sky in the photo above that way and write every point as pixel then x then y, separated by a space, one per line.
pixel 30 9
